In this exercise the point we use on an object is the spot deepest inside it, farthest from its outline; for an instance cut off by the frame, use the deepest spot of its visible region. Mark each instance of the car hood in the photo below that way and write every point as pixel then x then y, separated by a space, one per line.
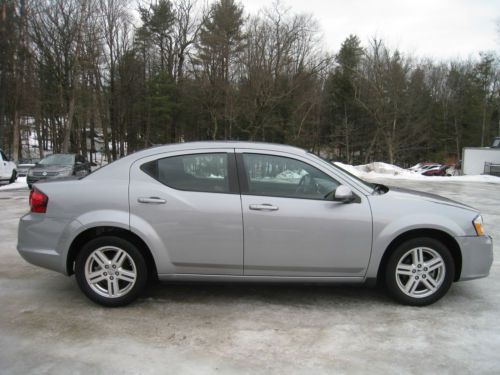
pixel 414 194
pixel 51 167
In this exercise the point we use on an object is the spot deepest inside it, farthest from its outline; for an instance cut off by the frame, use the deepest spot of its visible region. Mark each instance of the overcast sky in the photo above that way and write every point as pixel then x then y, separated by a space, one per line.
pixel 442 29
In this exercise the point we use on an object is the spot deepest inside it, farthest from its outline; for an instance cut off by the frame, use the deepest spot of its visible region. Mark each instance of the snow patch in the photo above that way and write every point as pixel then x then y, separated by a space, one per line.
pixel 377 170
pixel 19 184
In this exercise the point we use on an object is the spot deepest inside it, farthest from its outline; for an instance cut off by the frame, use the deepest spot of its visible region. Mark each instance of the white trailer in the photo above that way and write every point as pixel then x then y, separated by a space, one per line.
pixel 474 159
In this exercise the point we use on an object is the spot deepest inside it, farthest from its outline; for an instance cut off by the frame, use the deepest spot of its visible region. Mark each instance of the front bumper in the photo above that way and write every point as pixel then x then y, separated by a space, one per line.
pixel 477 256
pixel 44 241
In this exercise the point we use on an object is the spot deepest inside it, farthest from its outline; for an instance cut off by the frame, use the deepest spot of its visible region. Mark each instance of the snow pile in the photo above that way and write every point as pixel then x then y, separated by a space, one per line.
pixel 19 184
pixel 385 169
pixel 379 170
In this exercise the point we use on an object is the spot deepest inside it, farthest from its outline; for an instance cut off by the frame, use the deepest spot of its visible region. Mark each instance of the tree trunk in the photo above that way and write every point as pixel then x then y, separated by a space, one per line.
pixel 69 125
pixel 15 136
pixel 370 147
pixel 347 148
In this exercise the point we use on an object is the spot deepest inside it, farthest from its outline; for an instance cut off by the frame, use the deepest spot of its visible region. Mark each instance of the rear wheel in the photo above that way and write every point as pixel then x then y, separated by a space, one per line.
pixel 419 272
pixel 111 271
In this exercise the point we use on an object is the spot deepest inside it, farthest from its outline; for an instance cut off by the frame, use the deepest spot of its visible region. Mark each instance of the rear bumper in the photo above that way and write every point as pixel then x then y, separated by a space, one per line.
pixel 477 256
pixel 44 241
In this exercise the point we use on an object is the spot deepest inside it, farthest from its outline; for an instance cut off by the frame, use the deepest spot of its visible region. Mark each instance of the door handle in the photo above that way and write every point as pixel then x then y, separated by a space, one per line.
pixel 151 200
pixel 263 207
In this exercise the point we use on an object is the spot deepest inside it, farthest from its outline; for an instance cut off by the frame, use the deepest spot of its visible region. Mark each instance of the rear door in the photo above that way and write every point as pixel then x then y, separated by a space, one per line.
pixel 290 228
pixel 190 202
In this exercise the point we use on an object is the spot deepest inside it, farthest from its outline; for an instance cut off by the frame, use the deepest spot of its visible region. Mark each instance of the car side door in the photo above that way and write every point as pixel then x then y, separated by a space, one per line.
pixel 188 205
pixel 291 228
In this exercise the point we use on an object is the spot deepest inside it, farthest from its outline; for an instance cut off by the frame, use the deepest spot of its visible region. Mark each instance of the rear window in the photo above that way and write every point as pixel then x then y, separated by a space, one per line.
pixel 194 172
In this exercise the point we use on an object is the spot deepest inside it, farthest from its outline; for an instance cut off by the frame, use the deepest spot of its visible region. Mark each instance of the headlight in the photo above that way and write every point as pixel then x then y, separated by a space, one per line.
pixel 65 172
pixel 478 225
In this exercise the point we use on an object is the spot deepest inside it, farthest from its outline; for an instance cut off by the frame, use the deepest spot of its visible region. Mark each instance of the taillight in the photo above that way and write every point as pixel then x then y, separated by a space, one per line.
pixel 38 201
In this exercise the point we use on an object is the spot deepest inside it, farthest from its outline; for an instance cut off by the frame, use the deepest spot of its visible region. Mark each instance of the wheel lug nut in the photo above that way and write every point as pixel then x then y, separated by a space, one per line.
pixel 416 277
pixel 425 269
pixel 423 276
pixel 116 273
pixel 111 277
pixel 106 266
pixel 419 266
pixel 414 271
pixel 105 274
pixel 114 266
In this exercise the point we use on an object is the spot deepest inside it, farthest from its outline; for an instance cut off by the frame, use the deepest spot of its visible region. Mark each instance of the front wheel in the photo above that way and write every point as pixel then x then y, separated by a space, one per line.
pixel 13 178
pixel 111 271
pixel 419 272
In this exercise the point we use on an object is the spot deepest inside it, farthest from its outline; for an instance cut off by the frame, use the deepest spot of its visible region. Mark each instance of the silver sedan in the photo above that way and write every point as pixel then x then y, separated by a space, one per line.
pixel 254 212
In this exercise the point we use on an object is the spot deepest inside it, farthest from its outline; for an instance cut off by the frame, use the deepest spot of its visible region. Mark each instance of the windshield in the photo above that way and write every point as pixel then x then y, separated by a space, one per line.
pixel 58 159
pixel 354 177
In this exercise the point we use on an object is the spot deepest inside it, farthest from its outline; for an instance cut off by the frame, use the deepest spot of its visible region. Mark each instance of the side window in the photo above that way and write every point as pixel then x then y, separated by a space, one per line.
pixel 195 172
pixel 285 177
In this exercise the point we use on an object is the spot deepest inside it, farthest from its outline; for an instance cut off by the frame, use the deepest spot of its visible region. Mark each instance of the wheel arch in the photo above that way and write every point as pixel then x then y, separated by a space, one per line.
pixel 436 234
pixel 101 231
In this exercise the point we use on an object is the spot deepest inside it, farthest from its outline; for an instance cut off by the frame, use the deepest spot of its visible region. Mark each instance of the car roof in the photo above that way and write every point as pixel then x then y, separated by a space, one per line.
pixel 217 144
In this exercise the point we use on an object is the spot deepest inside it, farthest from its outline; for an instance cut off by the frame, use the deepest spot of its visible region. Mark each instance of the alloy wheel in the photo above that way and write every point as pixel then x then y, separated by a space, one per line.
pixel 420 272
pixel 110 271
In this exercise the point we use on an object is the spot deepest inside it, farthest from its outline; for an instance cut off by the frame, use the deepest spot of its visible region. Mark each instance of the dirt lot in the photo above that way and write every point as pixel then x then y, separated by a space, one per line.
pixel 48 326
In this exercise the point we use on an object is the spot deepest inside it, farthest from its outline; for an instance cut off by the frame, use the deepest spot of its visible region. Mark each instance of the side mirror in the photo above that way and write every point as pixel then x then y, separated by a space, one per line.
pixel 343 194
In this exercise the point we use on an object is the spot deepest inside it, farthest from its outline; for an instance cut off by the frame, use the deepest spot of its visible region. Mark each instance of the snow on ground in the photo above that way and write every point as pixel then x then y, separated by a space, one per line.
pixel 383 170
pixel 19 184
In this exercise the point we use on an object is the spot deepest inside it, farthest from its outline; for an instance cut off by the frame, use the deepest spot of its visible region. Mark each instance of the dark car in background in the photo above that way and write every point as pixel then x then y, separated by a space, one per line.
pixel 58 166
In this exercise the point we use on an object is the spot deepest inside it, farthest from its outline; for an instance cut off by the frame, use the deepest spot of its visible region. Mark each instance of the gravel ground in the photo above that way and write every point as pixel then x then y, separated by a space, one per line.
pixel 48 326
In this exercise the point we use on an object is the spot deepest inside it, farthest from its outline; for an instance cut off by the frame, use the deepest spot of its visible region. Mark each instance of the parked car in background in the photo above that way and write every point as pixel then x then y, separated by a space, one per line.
pixel 442 170
pixel 423 167
pixel 8 169
pixel 496 142
pixel 24 165
pixel 428 168
pixel 58 166
pixel 254 212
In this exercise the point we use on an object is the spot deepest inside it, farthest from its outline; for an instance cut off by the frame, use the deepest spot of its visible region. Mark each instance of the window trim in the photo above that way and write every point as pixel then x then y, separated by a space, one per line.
pixel 243 176
pixel 233 182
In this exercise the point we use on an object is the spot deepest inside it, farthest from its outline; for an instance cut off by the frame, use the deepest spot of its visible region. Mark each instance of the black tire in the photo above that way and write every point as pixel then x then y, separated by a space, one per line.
pixel 13 178
pixel 141 271
pixel 395 284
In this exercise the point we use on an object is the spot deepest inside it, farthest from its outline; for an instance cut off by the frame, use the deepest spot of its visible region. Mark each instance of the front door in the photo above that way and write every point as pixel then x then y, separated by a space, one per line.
pixel 191 203
pixel 291 229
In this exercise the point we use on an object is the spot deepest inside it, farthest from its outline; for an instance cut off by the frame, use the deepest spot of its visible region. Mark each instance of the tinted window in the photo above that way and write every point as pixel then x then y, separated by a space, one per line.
pixel 284 177
pixel 197 172
pixel 3 156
